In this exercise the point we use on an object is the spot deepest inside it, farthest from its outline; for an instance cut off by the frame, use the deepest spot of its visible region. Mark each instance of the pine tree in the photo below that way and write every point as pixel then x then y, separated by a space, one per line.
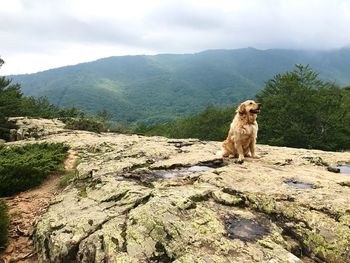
pixel 300 110
pixel 10 101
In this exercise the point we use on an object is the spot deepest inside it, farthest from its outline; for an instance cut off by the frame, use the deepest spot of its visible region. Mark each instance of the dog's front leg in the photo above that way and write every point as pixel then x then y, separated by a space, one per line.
pixel 240 151
pixel 252 149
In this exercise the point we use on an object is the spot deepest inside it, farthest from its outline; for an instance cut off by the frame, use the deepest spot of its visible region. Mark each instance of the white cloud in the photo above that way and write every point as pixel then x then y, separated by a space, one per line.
pixel 41 34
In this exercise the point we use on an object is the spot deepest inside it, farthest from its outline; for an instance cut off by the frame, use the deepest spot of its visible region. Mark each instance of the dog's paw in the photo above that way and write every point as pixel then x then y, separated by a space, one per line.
pixel 239 161
pixel 256 156
pixel 220 153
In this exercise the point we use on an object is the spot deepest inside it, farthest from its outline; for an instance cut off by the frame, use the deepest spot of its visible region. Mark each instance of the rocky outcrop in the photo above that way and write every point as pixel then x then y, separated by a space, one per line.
pixel 152 199
pixel 29 128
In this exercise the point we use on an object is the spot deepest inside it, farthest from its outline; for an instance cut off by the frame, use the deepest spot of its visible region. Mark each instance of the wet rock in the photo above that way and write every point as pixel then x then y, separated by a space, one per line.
pixel 245 229
pixel 200 168
pixel 171 174
pixel 344 169
pixel 298 184
pixel 333 169
pixel 176 173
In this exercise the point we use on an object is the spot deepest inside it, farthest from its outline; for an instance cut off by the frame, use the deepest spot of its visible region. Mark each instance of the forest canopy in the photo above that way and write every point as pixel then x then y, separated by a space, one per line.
pixel 299 110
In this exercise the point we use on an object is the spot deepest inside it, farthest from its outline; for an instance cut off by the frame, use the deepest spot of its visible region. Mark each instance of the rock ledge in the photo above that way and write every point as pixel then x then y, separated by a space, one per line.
pixel 137 199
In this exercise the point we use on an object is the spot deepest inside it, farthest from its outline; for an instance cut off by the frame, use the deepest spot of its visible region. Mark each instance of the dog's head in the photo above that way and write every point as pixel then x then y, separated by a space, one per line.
pixel 249 107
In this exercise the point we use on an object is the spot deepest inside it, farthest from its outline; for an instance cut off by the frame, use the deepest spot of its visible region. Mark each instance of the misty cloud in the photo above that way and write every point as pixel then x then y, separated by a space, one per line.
pixel 60 32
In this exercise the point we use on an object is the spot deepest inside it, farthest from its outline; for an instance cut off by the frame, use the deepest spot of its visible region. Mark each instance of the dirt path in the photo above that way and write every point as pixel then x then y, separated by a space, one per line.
pixel 24 208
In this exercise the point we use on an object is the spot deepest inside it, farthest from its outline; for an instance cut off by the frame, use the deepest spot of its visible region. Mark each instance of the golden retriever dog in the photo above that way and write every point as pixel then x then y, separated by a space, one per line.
pixel 243 131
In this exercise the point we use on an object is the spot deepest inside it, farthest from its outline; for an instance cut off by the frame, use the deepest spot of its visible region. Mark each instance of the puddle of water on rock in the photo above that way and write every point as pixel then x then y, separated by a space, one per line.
pixel 199 168
pixel 344 169
pixel 167 174
pixel 181 173
pixel 245 229
pixel 119 178
pixel 298 184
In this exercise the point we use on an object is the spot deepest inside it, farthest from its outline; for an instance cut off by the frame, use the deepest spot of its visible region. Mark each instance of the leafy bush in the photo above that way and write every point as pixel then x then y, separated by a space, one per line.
pixel 86 124
pixel 98 123
pixel 24 167
pixel 4 223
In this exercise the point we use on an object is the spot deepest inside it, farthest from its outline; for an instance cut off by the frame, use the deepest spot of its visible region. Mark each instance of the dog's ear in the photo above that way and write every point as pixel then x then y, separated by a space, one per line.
pixel 241 109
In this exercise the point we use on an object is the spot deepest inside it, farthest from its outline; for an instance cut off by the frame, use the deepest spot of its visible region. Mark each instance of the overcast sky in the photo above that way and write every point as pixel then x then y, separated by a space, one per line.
pixel 37 35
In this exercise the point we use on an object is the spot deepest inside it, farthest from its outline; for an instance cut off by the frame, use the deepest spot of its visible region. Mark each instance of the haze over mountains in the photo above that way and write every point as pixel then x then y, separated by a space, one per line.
pixel 163 87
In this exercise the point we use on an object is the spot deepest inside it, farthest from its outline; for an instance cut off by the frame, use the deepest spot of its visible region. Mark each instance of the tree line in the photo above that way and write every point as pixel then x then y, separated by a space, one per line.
pixel 299 110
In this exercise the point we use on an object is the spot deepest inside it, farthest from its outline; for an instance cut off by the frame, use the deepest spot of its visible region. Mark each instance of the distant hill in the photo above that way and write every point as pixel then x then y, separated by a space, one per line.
pixel 163 87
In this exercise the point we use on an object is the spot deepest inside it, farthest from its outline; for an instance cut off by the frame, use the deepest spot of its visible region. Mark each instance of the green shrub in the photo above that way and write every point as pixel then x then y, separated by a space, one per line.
pixel 4 223
pixel 24 167
pixel 86 124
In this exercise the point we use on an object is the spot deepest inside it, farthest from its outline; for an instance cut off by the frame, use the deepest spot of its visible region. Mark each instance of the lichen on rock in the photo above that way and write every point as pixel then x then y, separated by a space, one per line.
pixel 119 209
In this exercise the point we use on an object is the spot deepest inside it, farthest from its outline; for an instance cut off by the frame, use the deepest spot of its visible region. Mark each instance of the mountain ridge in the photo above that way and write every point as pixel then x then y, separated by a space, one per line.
pixel 163 87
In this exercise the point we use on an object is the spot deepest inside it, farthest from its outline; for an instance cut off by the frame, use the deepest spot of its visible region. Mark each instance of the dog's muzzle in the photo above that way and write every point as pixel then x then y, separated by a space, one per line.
pixel 256 111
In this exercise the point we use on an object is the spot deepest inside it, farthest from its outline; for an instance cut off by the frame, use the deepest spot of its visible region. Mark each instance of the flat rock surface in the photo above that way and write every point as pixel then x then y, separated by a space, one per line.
pixel 153 199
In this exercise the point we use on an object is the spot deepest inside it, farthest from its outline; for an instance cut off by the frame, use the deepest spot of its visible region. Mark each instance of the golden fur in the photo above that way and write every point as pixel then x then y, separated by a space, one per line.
pixel 243 131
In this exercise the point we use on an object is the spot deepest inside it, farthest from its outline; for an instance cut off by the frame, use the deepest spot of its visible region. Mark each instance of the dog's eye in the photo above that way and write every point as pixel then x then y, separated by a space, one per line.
pixel 251 103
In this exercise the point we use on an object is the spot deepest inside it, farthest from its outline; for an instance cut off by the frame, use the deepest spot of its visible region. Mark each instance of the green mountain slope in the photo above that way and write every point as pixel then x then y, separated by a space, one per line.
pixel 163 87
